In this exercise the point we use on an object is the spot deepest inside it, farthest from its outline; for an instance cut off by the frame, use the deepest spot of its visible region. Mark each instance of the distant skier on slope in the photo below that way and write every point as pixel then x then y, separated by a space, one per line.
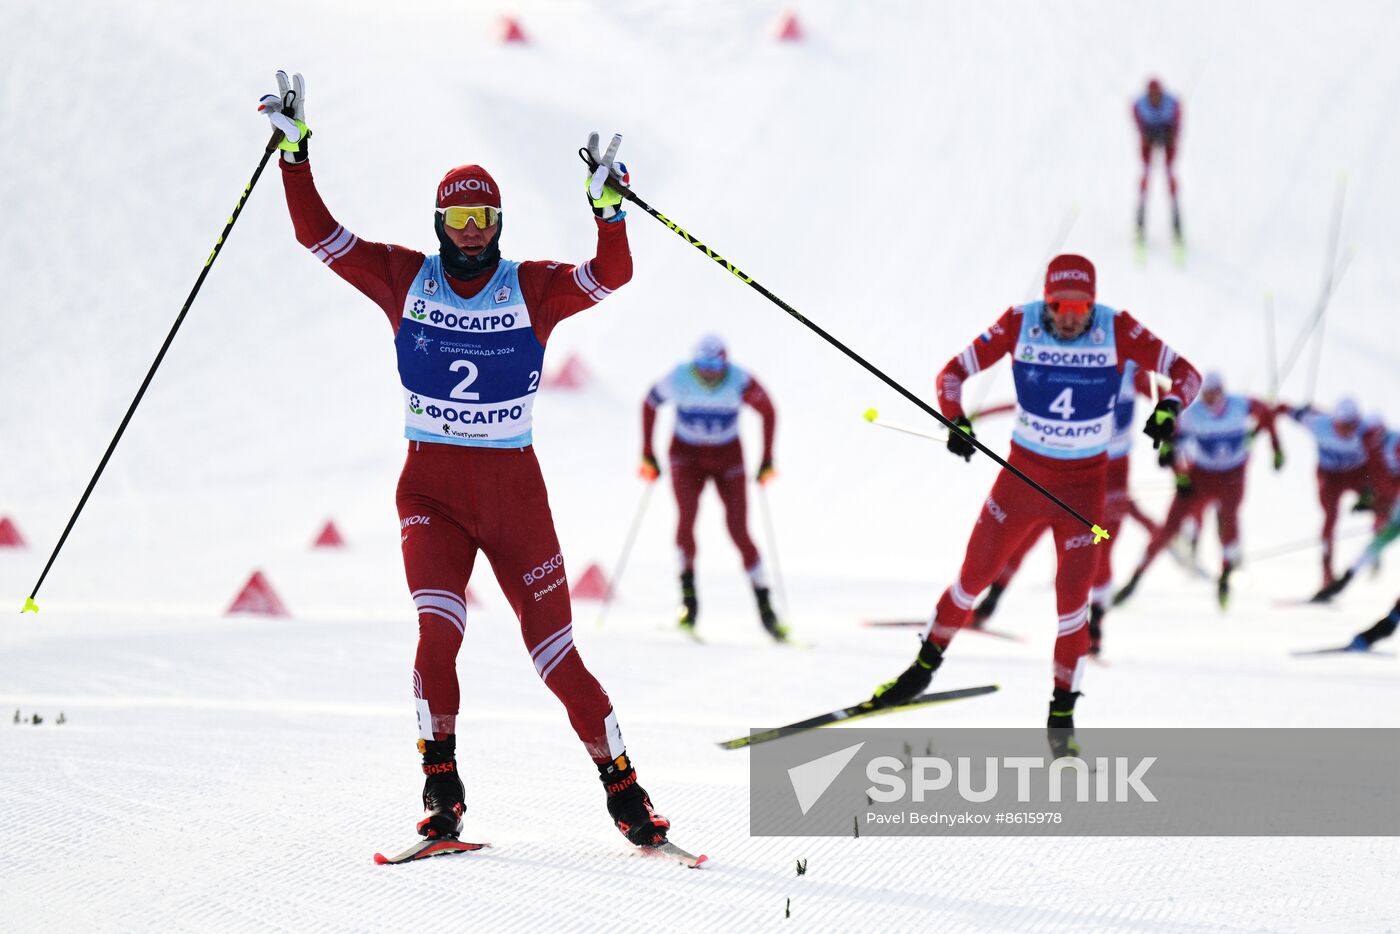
pixel 1389 480
pixel 470 332
pixel 1343 465
pixel 708 392
pixel 1068 354
pixel 1213 443
pixel 1118 505
pixel 1158 118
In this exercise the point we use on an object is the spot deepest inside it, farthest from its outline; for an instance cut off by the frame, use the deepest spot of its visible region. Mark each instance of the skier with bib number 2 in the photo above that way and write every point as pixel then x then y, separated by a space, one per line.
pixel 470 333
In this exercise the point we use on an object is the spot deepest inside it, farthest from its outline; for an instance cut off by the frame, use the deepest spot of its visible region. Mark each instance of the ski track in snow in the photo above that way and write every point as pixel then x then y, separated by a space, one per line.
pixel 223 774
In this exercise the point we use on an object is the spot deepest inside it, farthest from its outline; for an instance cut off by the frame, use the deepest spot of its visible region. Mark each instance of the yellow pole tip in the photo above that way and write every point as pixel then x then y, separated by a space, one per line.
pixel 870 415
pixel 30 606
pixel 1100 533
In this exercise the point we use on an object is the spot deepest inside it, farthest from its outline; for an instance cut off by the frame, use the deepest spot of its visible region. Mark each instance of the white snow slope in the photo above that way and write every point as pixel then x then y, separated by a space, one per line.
pixel 900 177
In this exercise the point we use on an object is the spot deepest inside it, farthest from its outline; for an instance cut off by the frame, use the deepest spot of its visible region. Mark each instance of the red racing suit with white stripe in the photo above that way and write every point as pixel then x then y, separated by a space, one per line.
pixel 458 497
pixel 1066 393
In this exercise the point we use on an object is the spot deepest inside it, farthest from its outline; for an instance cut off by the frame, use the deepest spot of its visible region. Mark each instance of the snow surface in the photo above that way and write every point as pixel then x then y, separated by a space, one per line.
pixel 900 177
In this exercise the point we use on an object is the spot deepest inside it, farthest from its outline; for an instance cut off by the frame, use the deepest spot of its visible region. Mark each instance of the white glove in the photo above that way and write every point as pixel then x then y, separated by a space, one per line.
pixel 608 181
pixel 287 111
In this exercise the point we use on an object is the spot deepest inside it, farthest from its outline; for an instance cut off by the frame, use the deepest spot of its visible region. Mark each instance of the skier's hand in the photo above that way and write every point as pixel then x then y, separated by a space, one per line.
pixel 766 473
pixel 1184 486
pixel 958 445
pixel 1161 428
pixel 287 111
pixel 1278 459
pixel 608 181
pixel 650 469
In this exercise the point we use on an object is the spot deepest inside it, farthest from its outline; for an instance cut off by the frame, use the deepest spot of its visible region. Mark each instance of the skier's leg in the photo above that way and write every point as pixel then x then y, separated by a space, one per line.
pixel 1329 495
pixel 733 493
pixel 988 604
pixel 438 555
pixel 1182 508
pixel 519 540
pixel 1073 576
pixel 1229 497
pixel 687 481
pixel 1009 516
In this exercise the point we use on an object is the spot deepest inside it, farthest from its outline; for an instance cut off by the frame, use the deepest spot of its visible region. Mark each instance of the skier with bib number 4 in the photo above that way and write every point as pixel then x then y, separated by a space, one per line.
pixel 470 334
pixel 1068 356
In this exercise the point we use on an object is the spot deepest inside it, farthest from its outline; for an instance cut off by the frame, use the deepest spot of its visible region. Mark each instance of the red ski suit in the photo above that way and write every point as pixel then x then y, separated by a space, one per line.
pixel 694 465
pixel 455 500
pixel 1015 512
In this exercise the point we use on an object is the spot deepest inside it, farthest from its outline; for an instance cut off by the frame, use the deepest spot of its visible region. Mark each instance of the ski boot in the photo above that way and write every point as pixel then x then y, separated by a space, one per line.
pixel 913 681
pixel 1059 728
pixel 983 611
pixel 1332 588
pixel 629 805
pixel 442 790
pixel 777 630
pixel 1383 629
pixel 1096 615
pixel 1222 586
pixel 690 607
pixel 1122 596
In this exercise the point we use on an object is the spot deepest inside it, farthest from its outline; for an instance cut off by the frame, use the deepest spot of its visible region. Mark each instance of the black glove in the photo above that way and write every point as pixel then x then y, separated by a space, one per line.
pixel 1184 486
pixel 766 473
pixel 1161 428
pixel 958 443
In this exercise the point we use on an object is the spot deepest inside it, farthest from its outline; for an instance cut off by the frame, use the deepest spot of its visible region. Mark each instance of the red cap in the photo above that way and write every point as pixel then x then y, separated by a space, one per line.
pixel 1069 277
pixel 468 185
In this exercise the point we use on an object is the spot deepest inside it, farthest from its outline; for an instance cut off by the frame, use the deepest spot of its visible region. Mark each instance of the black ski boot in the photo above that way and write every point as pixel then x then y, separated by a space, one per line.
pixel 690 607
pixel 1059 728
pixel 1222 586
pixel 1176 223
pixel 1096 615
pixel 1383 629
pixel 442 790
pixel 984 610
pixel 630 806
pixel 1122 596
pixel 1141 221
pixel 777 630
pixel 913 681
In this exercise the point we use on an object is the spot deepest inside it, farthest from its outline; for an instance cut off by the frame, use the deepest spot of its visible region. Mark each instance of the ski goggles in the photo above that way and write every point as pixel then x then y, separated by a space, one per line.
pixel 457 217
pixel 1077 309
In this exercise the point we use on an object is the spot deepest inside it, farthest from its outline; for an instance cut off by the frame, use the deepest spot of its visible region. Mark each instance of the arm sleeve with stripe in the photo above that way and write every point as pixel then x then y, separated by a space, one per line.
pixel 1135 342
pixel 380 271
pixel 555 291
pixel 989 347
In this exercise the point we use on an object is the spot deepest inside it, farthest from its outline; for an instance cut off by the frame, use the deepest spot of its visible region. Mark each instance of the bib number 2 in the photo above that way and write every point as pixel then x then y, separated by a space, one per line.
pixel 460 390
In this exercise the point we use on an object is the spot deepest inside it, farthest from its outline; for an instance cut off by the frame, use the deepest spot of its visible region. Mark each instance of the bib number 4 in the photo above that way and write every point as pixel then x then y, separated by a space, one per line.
pixel 1063 405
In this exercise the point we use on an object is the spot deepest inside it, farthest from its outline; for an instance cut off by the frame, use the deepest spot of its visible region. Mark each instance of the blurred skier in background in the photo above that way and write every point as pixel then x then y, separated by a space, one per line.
pixel 1213 445
pixel 470 333
pixel 1343 466
pixel 1068 355
pixel 1158 118
pixel 708 392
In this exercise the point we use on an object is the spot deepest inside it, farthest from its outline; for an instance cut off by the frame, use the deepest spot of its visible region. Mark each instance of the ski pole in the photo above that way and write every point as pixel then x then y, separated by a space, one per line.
pixel 1332 276
pixel 626 551
pixel 873 417
pixel 1272 346
pixel 627 193
pixel 772 538
pixel 29 605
